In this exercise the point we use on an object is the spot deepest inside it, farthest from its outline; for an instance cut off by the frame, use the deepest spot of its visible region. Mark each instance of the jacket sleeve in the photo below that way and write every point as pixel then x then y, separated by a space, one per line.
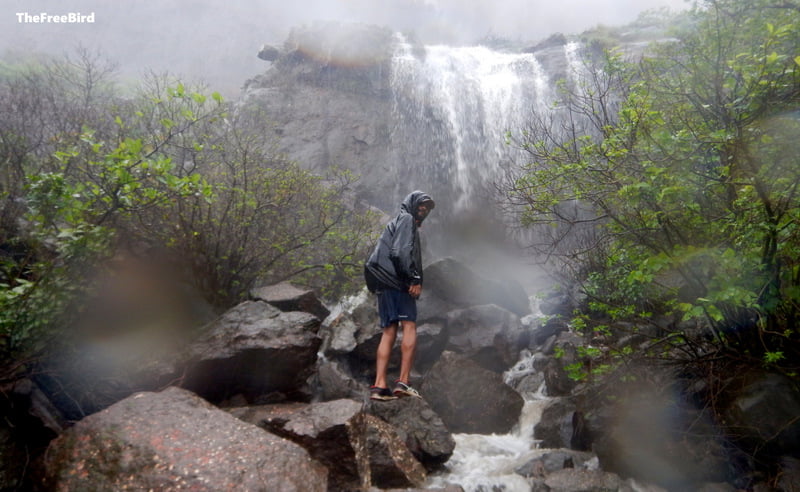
pixel 402 251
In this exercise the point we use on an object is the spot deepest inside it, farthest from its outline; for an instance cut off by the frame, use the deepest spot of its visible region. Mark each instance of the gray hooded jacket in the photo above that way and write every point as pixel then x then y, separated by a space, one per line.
pixel 396 261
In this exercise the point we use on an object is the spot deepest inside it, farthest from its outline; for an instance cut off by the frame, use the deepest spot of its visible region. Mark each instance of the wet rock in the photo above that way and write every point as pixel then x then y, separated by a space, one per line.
pixel 174 440
pixel 257 351
pixel 333 381
pixel 422 430
pixel 556 428
pixel 552 327
pixel 552 461
pixel 389 463
pixel 577 480
pixel 763 414
pixel 488 334
pixel 320 428
pixel 469 398
pixel 287 297
pixel 557 377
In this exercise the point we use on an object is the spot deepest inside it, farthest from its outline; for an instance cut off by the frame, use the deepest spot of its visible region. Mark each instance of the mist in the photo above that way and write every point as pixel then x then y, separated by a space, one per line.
pixel 217 44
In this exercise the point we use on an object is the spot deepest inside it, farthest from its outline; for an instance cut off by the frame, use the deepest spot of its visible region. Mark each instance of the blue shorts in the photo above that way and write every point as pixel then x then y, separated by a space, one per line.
pixel 395 306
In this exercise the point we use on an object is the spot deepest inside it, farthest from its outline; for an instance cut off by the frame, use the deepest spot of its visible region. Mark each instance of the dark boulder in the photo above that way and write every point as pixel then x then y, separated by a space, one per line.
pixel 763 415
pixel 556 428
pixel 269 53
pixel 383 458
pixel 174 440
pixel 257 351
pixel 553 461
pixel 422 430
pixel 470 398
pixel 320 428
pixel 333 380
pixel 287 297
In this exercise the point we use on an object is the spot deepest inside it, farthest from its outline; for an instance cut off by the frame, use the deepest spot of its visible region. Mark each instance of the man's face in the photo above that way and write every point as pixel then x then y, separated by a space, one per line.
pixel 423 209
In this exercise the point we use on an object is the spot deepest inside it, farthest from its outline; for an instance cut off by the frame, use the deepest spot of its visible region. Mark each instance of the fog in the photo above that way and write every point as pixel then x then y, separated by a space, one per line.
pixel 205 40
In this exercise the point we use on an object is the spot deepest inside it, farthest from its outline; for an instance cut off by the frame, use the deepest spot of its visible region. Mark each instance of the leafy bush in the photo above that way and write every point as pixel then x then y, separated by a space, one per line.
pixel 671 184
pixel 166 172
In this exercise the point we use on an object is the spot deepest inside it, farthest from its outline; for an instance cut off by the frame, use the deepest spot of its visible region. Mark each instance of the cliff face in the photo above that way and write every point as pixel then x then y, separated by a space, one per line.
pixel 399 115
pixel 328 96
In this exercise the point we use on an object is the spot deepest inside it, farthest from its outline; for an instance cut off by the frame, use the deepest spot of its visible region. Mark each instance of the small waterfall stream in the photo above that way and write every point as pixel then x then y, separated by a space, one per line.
pixel 483 463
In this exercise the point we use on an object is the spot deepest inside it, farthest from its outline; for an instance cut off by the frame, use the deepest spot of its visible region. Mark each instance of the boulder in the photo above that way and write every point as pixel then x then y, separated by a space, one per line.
pixel 175 440
pixel 384 459
pixel 422 430
pixel 789 477
pixel 469 398
pixel 331 432
pixel 552 461
pixel 320 428
pixel 578 480
pixel 269 53
pixel 488 334
pixel 257 351
pixel 333 381
pixel 762 415
pixel 556 427
pixel 449 282
pixel 287 297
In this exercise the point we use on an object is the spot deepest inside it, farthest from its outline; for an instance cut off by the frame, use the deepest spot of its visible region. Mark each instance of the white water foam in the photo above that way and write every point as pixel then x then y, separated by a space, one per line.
pixel 487 463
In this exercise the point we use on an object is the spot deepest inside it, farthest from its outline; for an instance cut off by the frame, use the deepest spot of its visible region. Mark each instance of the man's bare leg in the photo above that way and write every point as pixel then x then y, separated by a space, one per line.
pixel 408 348
pixel 384 352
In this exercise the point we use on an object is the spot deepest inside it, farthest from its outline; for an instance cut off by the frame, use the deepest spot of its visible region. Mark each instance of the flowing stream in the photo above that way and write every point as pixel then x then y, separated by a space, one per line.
pixel 483 463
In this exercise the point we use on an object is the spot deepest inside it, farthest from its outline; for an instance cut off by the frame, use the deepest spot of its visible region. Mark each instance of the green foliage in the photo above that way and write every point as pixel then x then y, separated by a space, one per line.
pixel 674 187
pixel 85 174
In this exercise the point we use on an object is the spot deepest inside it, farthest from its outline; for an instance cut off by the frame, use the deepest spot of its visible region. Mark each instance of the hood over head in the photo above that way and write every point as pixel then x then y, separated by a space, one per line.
pixel 413 199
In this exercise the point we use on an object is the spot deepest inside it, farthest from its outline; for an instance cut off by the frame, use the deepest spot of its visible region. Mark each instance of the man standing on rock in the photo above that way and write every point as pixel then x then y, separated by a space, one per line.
pixel 394 272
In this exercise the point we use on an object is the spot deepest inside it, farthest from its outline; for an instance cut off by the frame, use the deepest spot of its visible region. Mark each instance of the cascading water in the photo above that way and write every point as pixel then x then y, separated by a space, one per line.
pixel 482 463
pixel 453 107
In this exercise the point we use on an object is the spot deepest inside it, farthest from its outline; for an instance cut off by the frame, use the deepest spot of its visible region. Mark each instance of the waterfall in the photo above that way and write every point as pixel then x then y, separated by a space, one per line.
pixel 453 108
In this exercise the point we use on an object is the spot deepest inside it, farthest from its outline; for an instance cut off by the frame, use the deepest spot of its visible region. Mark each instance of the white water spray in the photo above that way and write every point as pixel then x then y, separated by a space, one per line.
pixel 454 107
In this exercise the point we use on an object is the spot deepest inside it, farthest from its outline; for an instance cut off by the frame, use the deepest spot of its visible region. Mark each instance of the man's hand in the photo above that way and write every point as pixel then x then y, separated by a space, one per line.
pixel 415 290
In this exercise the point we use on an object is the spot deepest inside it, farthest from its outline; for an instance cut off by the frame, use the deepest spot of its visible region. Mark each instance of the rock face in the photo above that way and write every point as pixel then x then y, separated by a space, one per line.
pixel 469 398
pixel 254 350
pixel 174 440
pixel 328 96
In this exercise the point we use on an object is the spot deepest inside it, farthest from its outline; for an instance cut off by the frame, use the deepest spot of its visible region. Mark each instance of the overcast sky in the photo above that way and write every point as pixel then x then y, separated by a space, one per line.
pixel 218 41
